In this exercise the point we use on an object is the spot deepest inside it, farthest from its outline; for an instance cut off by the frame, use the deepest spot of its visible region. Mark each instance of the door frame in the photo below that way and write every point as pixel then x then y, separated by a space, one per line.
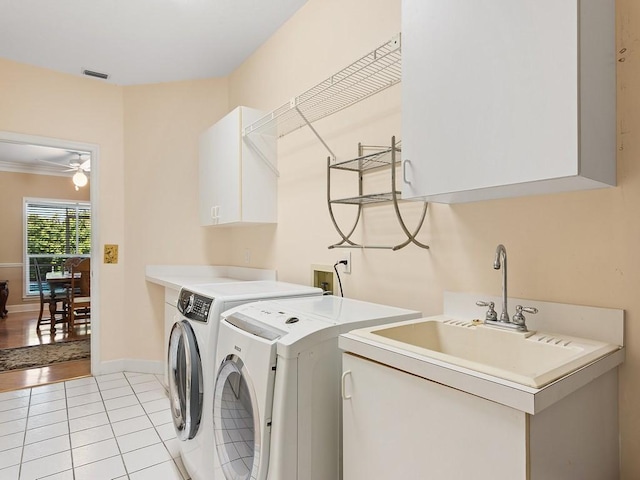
pixel 94 198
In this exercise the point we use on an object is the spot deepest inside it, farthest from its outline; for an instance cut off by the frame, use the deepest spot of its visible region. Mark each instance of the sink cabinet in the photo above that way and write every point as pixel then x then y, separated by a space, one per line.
pixel 503 98
pixel 400 425
pixel 238 178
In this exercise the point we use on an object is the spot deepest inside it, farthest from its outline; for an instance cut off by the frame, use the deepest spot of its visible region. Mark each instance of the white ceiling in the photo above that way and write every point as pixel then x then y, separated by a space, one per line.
pixel 139 41
pixel 18 157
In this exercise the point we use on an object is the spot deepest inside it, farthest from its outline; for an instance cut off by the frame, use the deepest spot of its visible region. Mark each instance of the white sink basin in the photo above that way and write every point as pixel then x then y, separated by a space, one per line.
pixel 531 358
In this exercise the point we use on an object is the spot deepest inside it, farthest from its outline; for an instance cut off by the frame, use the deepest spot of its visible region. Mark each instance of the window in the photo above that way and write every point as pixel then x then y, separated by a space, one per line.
pixel 54 231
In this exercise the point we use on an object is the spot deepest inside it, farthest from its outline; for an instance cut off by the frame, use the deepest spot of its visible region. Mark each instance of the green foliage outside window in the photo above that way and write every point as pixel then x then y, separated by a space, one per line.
pixel 55 232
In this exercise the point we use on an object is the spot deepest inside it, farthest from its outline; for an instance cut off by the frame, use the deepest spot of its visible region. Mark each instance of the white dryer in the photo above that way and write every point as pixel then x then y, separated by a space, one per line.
pixel 191 356
pixel 276 407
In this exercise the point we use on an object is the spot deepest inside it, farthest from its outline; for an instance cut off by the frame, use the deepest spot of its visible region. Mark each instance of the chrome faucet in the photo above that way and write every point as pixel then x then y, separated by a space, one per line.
pixel 491 317
pixel 501 253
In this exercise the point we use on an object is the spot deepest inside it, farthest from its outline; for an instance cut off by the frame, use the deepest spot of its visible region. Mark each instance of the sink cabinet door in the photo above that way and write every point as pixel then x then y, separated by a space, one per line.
pixel 504 98
pixel 397 425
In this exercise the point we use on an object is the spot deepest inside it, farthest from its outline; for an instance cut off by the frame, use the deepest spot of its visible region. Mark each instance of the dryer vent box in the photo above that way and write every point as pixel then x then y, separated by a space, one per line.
pixel 322 276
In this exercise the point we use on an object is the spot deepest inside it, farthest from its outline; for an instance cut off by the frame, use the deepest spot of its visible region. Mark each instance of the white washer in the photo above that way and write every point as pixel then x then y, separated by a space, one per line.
pixel 191 356
pixel 276 407
pixel 171 296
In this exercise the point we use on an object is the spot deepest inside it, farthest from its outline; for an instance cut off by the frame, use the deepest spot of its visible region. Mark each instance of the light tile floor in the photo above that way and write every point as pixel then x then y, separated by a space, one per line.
pixel 114 426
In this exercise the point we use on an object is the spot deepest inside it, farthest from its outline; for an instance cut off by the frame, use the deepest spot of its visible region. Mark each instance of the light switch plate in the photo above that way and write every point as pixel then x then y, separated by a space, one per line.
pixel 110 253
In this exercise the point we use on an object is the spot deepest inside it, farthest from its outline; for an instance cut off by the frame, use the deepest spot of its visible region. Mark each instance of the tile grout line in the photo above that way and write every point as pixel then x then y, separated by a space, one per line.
pixel 73 470
pixel 155 427
pixel 24 437
pixel 93 443
pixel 51 454
pixel 115 438
pixel 166 391
pixel 68 423
pixel 151 421
pixel 29 417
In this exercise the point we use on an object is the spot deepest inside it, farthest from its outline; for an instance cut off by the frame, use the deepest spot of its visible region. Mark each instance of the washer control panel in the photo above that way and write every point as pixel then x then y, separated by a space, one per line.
pixel 194 306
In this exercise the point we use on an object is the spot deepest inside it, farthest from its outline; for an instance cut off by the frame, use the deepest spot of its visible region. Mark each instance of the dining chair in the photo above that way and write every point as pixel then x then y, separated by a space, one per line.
pixel 71 262
pixel 68 264
pixel 46 299
pixel 80 293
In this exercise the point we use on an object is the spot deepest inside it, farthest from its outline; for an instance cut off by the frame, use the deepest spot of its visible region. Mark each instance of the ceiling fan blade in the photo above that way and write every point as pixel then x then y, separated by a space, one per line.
pixel 52 163
pixel 86 165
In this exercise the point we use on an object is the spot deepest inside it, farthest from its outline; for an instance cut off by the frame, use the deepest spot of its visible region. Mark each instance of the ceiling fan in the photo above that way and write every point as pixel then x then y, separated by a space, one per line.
pixel 80 178
pixel 78 164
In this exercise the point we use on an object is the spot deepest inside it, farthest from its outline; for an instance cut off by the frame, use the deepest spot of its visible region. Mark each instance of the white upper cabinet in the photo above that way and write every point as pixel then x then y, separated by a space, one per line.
pixel 238 180
pixel 502 98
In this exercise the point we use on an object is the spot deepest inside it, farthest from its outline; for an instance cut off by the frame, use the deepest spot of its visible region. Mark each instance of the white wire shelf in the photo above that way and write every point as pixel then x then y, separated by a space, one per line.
pixel 376 71
pixel 383 157
pixel 367 199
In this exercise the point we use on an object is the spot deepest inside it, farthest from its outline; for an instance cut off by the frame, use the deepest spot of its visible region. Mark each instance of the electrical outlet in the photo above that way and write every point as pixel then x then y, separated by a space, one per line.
pixel 346 256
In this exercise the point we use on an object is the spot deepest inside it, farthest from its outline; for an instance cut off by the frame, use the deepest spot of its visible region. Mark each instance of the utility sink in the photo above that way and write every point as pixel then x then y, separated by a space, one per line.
pixel 528 358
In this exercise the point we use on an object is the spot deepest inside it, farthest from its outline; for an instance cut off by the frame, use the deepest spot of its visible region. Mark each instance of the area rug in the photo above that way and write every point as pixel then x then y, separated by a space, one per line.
pixel 44 355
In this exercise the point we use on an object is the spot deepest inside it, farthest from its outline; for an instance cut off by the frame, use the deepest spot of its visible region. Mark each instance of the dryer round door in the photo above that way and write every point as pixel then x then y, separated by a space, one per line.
pixel 185 380
pixel 235 421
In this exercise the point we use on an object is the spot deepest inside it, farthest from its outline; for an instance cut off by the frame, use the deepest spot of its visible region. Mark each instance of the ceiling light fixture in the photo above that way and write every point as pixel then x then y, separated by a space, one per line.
pixel 79 179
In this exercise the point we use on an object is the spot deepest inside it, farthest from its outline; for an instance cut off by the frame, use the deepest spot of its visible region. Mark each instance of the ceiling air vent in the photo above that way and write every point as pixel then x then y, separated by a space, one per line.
pixel 91 73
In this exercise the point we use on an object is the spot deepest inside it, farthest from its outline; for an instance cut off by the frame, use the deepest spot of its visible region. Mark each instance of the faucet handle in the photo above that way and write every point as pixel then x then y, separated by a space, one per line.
pixel 491 313
pixel 518 318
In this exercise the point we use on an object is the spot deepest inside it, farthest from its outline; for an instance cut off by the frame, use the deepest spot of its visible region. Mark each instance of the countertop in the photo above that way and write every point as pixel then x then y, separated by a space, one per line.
pixel 176 276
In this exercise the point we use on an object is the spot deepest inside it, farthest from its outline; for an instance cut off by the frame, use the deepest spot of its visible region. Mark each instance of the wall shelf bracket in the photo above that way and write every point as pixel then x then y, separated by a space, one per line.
pixel 384 157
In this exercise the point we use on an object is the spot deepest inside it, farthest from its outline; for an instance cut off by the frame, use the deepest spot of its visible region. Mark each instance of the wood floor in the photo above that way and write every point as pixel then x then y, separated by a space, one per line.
pixel 19 330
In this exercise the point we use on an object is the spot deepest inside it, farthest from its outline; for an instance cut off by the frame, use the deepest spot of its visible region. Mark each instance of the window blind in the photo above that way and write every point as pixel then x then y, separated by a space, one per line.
pixel 54 231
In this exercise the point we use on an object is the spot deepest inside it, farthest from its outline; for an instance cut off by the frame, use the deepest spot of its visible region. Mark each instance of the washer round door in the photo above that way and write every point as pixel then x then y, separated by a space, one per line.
pixel 185 380
pixel 235 421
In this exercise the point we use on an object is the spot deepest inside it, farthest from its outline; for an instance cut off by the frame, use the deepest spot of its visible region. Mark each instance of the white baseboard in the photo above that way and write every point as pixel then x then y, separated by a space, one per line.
pixel 130 365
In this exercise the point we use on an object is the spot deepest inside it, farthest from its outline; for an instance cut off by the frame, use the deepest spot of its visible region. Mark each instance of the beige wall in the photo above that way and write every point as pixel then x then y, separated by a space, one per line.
pixel 162 124
pixel 40 102
pixel 147 204
pixel 579 248
pixel 15 187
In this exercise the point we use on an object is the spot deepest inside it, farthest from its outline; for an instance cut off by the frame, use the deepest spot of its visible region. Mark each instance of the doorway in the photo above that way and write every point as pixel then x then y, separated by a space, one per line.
pixel 59 160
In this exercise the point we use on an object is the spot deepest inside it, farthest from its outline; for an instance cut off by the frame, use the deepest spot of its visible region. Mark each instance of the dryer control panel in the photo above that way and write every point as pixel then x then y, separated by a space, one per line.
pixel 194 306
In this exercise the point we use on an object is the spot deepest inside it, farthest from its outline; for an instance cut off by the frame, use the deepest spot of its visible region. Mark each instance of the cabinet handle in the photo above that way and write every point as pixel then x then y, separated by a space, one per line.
pixel 404 171
pixel 215 214
pixel 342 390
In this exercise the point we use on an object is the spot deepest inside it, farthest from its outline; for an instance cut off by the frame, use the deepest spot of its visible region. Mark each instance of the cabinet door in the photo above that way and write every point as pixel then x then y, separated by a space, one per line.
pixel 496 93
pixel 397 425
pixel 220 171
